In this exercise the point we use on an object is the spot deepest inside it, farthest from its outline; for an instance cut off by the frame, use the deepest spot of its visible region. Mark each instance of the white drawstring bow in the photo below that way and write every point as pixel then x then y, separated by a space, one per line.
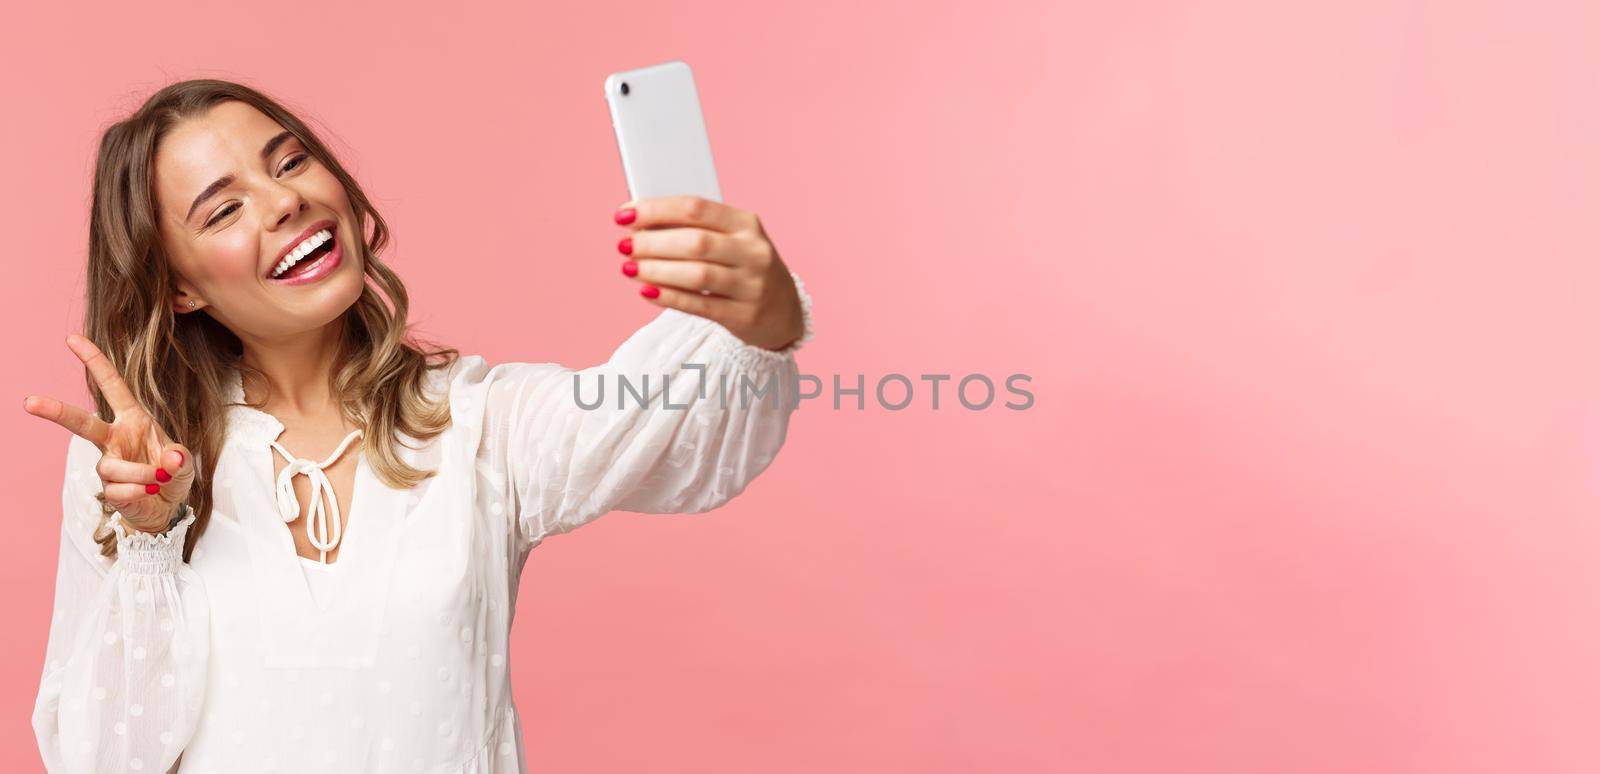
pixel 323 532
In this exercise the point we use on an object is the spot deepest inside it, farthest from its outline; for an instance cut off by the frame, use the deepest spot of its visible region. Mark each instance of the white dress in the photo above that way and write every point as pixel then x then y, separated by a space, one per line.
pixel 393 659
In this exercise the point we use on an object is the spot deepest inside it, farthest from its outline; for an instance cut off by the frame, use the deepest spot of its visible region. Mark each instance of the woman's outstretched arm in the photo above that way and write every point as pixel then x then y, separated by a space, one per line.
pixel 680 419
pixel 684 414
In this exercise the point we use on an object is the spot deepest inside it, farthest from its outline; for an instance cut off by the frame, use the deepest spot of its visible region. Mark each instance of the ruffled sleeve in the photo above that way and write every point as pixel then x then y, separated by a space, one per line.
pixel 680 419
pixel 126 660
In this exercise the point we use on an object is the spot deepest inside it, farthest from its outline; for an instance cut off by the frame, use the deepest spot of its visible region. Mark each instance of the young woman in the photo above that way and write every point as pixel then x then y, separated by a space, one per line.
pixel 292 536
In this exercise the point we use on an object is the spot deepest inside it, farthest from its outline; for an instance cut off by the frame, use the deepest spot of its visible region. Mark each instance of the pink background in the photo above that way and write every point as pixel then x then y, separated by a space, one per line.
pixel 1307 293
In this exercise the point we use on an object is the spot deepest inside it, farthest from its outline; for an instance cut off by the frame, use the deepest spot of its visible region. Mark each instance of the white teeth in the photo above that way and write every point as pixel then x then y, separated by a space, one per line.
pixel 301 250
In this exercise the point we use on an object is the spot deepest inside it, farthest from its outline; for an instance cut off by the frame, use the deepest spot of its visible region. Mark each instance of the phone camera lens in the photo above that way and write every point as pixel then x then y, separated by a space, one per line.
pixel 624 88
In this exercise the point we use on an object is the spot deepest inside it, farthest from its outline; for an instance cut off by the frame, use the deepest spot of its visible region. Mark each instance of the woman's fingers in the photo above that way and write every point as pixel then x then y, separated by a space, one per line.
pixel 177 460
pixel 720 310
pixel 659 211
pixel 174 469
pixel 695 276
pixel 144 493
pixel 114 470
pixel 105 374
pixel 698 260
pixel 695 244
pixel 123 496
pixel 713 261
pixel 74 419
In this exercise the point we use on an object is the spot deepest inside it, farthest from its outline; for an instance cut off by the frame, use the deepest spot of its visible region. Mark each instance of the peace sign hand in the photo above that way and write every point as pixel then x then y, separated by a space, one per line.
pixel 143 473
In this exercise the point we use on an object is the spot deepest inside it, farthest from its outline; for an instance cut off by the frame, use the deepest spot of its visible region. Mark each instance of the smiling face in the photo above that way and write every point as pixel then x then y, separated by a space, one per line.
pixel 236 197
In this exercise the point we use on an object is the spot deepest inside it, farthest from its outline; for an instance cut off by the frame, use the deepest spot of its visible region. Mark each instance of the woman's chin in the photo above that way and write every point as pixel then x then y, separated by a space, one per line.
pixel 319 305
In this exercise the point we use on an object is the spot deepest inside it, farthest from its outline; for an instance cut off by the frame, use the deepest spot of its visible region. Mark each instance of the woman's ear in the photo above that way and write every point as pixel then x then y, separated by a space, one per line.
pixel 184 300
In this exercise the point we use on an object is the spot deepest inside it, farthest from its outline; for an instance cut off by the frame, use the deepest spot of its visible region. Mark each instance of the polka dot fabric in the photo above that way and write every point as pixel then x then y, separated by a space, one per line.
pixel 395 657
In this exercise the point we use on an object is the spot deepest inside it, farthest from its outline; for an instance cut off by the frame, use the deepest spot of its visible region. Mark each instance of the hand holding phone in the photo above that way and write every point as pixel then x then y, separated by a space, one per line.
pixel 693 252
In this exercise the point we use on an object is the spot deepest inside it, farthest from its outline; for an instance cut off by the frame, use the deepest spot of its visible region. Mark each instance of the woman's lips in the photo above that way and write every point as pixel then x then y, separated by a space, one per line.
pixel 328 263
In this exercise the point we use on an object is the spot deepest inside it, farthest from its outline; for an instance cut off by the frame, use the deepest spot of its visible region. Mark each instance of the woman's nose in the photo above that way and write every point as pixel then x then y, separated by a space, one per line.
pixel 285 203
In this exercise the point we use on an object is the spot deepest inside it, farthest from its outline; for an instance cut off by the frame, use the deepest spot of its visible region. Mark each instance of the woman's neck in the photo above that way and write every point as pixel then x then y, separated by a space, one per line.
pixel 298 371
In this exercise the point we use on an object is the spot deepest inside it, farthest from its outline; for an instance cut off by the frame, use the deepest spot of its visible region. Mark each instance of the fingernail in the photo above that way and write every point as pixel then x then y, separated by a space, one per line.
pixel 181 457
pixel 162 475
pixel 152 488
pixel 630 268
pixel 625 216
pixel 626 246
pixel 649 291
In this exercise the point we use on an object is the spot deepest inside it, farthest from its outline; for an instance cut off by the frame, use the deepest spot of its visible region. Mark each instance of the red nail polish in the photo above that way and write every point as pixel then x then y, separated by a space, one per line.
pixel 630 268
pixel 625 216
pixel 626 246
pixel 152 488
pixel 649 291
pixel 162 475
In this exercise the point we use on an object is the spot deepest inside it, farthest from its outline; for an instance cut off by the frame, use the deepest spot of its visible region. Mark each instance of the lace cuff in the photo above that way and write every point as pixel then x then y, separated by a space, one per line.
pixel 145 553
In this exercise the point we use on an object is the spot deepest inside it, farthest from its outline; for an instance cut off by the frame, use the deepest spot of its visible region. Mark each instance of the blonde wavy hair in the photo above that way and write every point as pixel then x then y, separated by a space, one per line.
pixel 176 365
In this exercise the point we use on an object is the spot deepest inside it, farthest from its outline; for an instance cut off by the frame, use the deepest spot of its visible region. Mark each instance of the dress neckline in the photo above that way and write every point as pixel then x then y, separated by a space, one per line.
pixel 256 426
pixel 351 611
pixel 324 522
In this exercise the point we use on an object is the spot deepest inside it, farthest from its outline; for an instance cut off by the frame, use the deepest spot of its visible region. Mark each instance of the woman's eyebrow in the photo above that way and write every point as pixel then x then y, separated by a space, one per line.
pixel 272 144
pixel 227 180
pixel 210 191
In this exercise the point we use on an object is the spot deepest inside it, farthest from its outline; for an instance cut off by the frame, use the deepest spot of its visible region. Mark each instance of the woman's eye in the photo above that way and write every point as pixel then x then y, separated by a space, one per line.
pixel 222 213
pixel 297 161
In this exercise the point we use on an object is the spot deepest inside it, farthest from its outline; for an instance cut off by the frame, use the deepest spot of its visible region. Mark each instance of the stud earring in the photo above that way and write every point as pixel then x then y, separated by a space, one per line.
pixel 191 303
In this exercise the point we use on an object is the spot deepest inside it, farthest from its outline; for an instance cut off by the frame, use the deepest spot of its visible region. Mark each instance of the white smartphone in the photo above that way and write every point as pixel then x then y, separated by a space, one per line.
pixel 661 133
